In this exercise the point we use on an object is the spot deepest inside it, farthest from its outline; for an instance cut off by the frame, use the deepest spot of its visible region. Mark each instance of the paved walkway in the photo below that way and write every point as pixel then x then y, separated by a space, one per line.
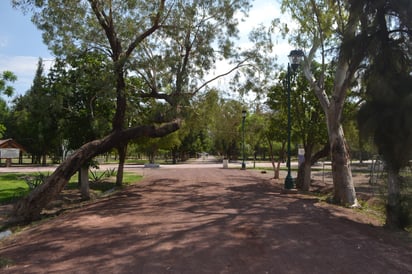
pixel 206 220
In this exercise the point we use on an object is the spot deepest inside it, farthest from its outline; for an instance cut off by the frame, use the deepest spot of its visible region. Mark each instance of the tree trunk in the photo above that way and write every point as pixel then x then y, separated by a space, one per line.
pixel 304 169
pixel 29 208
pixel 84 182
pixel 174 155
pixel 344 190
pixel 307 174
pixel 393 204
pixel 304 174
pixel 44 160
pixel 122 150
pixel 303 178
pixel 276 167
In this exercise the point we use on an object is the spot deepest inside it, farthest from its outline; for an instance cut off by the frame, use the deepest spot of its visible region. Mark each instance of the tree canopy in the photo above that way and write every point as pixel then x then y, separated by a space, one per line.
pixel 169 45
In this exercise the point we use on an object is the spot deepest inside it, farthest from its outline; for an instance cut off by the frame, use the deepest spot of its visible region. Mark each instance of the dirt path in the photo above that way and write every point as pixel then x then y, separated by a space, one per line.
pixel 208 220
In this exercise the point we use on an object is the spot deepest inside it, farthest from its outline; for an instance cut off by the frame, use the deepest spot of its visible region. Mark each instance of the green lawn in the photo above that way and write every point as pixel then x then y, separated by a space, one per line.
pixel 13 185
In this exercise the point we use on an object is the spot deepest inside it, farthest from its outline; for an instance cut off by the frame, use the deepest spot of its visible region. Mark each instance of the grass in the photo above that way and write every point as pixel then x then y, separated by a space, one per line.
pixel 13 186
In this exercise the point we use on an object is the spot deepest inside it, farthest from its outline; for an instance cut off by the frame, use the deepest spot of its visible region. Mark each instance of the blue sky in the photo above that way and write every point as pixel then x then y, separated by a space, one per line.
pixel 21 43
pixel 20 46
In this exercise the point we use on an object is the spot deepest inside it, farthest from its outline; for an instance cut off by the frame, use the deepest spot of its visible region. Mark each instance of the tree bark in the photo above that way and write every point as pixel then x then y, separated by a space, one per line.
pixel 303 180
pixel 29 208
pixel 84 182
pixel 304 169
pixel 122 150
pixel 344 190
pixel 393 204
pixel 276 166
pixel 307 167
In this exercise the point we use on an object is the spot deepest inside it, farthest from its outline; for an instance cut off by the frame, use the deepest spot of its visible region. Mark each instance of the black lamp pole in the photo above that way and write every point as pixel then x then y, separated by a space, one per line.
pixel 243 139
pixel 295 58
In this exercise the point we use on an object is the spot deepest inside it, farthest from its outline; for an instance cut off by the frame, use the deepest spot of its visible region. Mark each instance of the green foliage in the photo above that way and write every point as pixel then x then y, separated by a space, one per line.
pixel 35 118
pixel 308 119
pixel 149 64
pixel 226 131
pixel 34 181
pixel 5 77
pixel 4 262
pixel 96 176
pixel 321 23
pixel 387 112
pixel 87 91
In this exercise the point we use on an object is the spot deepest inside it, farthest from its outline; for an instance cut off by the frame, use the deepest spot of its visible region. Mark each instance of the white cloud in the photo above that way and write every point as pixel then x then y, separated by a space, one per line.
pixel 24 67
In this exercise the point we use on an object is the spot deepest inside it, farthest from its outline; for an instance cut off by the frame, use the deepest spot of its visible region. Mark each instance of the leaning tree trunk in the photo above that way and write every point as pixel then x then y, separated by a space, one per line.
pixel 29 208
pixel 393 204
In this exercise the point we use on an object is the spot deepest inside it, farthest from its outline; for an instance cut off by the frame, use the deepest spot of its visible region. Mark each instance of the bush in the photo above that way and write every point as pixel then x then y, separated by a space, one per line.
pixel 97 176
pixel 35 180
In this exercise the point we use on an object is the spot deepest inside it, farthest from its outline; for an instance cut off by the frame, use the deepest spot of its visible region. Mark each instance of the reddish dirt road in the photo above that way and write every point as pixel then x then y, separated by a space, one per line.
pixel 208 220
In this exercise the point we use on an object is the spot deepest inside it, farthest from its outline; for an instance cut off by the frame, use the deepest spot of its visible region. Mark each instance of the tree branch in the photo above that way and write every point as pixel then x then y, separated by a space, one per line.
pixel 239 65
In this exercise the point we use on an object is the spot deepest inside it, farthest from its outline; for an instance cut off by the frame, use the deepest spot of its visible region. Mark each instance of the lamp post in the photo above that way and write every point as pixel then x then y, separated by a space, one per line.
pixel 295 58
pixel 243 139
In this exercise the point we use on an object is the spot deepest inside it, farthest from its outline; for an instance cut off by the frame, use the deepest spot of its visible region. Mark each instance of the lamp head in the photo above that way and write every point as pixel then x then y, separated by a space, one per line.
pixel 244 113
pixel 295 58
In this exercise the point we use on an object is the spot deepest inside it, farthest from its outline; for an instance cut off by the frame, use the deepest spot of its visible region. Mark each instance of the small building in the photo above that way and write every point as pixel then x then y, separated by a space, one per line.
pixel 10 149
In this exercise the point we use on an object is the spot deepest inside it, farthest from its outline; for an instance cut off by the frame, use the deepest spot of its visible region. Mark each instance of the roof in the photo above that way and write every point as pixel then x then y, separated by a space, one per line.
pixel 10 143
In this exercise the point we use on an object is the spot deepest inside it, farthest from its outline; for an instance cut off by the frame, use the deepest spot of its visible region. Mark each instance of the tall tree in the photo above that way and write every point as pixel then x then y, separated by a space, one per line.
pixel 308 126
pixel 386 115
pixel 324 26
pixel 307 115
pixel 225 131
pixel 36 117
pixel 277 102
pixel 6 78
pixel 153 39
pixel 85 90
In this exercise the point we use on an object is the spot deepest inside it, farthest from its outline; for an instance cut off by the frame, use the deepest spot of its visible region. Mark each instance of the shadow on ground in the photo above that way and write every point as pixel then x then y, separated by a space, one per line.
pixel 205 221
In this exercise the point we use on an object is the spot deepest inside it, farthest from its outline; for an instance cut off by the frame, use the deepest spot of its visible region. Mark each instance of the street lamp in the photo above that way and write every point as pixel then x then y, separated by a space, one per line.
pixel 295 58
pixel 243 139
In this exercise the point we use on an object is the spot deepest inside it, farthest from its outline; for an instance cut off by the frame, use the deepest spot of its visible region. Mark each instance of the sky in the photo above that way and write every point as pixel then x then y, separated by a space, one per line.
pixel 21 43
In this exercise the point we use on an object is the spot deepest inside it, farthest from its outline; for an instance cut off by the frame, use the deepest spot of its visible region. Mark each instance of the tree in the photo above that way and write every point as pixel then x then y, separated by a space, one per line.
pixel 386 114
pixel 85 90
pixel 151 146
pixel 308 126
pixel 255 124
pixel 278 123
pixel 6 78
pixel 152 39
pixel 324 26
pixel 200 120
pixel 36 118
pixel 307 115
pixel 225 131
